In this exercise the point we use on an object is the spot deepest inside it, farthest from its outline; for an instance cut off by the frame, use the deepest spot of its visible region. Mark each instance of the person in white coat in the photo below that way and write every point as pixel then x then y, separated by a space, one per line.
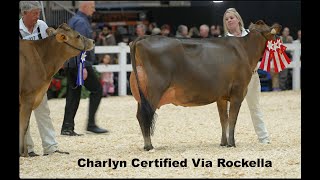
pixel 233 26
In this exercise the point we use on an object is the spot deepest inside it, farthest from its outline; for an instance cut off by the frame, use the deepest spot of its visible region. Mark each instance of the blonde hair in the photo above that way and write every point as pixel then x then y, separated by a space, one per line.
pixel 235 13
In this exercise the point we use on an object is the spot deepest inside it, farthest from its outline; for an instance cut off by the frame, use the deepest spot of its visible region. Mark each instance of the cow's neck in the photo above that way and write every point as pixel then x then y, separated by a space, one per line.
pixel 255 47
pixel 54 54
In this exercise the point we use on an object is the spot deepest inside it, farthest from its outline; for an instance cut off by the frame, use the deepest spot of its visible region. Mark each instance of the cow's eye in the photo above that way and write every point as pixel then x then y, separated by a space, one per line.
pixel 78 36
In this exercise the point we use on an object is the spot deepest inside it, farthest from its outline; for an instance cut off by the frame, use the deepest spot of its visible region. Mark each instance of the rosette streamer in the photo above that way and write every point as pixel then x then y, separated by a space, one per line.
pixel 274 53
pixel 80 80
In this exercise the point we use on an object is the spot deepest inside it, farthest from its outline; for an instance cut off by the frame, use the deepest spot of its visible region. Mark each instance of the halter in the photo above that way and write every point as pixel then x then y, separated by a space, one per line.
pixel 261 33
pixel 74 46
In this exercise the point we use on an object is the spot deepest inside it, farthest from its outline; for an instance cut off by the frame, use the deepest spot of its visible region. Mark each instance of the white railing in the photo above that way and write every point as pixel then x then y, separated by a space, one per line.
pixel 295 64
pixel 122 49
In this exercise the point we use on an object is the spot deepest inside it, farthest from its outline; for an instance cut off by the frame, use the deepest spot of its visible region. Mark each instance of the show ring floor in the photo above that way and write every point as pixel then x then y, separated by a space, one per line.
pixel 181 134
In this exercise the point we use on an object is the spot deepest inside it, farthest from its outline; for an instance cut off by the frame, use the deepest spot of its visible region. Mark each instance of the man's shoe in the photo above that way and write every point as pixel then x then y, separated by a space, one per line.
pixel 276 89
pixel 96 129
pixel 56 151
pixel 70 133
pixel 32 154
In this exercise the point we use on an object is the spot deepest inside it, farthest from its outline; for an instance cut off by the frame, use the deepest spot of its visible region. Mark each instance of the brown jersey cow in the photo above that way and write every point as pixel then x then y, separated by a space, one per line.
pixel 38 61
pixel 195 72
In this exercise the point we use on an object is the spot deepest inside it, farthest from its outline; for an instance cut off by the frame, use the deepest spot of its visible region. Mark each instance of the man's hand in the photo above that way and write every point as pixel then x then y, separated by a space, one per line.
pixel 85 73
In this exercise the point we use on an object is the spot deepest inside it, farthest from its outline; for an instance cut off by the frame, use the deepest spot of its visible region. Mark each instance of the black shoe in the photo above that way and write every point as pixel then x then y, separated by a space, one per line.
pixel 70 133
pixel 32 154
pixel 96 129
pixel 56 151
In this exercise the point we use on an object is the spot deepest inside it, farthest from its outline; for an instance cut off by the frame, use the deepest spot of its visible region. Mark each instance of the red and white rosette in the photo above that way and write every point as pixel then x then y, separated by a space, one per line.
pixel 275 51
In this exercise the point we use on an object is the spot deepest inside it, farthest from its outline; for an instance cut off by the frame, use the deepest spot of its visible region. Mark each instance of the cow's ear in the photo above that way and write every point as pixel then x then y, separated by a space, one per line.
pixel 50 31
pixel 260 22
pixel 61 37
pixel 251 26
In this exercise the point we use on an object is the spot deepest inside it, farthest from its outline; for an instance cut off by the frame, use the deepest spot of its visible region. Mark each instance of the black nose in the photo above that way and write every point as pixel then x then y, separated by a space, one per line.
pixel 93 41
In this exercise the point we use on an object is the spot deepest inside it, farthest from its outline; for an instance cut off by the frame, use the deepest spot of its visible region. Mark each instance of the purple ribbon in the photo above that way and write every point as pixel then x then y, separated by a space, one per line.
pixel 80 80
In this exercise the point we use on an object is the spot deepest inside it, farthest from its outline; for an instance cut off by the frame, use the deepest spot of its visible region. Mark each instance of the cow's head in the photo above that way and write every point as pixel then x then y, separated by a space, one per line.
pixel 65 34
pixel 266 31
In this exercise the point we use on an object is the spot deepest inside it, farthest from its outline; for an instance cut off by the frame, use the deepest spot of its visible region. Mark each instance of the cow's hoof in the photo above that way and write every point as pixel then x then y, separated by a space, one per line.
pixel 23 155
pixel 223 144
pixel 147 148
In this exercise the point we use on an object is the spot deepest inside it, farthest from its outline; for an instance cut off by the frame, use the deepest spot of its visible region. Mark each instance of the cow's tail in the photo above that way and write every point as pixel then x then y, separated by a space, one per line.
pixel 147 112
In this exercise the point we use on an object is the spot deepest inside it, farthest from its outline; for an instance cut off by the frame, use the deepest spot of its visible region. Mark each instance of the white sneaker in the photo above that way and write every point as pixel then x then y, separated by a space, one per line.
pixel 264 141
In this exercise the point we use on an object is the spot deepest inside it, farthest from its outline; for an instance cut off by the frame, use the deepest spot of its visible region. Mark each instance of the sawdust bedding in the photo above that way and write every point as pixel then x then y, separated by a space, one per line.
pixel 188 135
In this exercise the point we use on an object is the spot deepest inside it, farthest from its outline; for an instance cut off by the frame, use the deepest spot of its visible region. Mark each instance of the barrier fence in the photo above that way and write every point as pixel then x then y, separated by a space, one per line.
pixel 122 68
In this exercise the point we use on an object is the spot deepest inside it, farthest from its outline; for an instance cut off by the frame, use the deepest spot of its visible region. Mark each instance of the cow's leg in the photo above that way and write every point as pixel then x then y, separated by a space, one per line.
pixel 145 130
pixel 222 108
pixel 25 113
pixel 232 120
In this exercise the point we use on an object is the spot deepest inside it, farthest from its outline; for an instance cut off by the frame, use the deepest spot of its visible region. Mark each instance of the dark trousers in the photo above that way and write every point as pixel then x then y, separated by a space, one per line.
pixel 74 94
pixel 284 79
pixel 285 76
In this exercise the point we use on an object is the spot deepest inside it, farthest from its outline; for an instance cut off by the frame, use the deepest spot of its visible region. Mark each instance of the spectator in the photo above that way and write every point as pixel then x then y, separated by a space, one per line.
pixel 298 40
pixel 156 31
pixel 95 31
pixel 31 28
pixel 182 31
pixel 140 31
pixel 80 22
pixel 204 31
pixel 151 26
pixel 217 32
pixel 275 80
pixel 285 37
pixel 212 29
pixel 285 76
pixel 106 38
pixel 121 35
pixel 166 30
pixel 106 78
pixel 194 32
